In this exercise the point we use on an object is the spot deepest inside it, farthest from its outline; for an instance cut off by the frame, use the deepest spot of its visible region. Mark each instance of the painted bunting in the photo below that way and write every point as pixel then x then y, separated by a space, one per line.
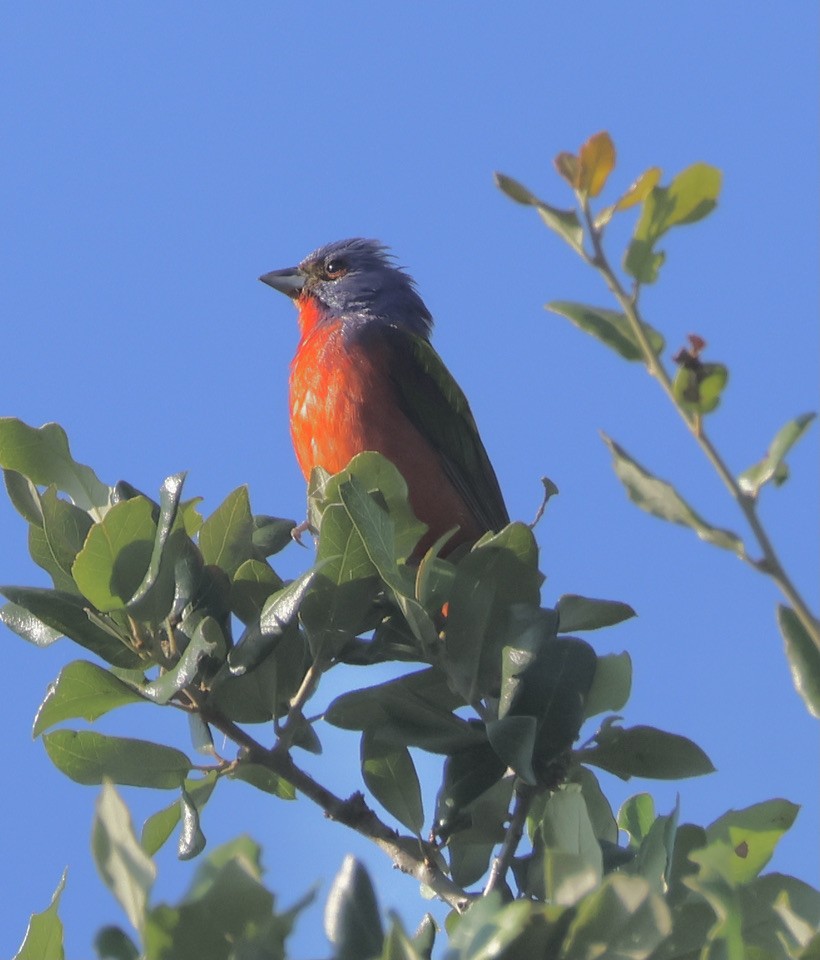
pixel 365 377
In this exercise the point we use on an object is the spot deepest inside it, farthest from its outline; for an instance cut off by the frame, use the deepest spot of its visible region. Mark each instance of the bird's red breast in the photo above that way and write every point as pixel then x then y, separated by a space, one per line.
pixel 343 401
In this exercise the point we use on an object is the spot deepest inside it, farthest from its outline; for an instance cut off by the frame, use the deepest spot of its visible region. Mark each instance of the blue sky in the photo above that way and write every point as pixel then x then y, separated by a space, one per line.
pixel 158 157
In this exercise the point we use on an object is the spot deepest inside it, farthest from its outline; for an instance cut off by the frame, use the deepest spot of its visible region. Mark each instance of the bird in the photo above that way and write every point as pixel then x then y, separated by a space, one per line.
pixel 366 377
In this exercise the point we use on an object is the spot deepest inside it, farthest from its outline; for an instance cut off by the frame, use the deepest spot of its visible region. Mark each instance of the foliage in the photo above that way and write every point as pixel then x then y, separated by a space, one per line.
pixel 188 614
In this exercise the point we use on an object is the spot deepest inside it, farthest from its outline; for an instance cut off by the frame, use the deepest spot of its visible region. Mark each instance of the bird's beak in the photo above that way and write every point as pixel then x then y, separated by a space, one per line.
pixel 289 281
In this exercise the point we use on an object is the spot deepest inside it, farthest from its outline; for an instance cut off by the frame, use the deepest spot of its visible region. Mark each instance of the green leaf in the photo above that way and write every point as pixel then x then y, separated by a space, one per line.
pixel 263 779
pixel 564 222
pixel 566 828
pixel 414 710
pixel 699 387
pixel 82 690
pixel 610 327
pixel 278 614
pixel 489 928
pixel 467 775
pixel 391 777
pixel 226 537
pixel 44 934
pixel 160 825
pixel 271 534
pixel 773 467
pixel 645 752
pixel 352 921
pixel 662 500
pixel 207 641
pixel 513 738
pixel 581 613
pixel 499 573
pixel 51 611
pixel 472 841
pixel 374 527
pixel 65 528
pixel 28 627
pixel 515 190
pixel 751 835
pixel 112 943
pixel 89 758
pixel 191 838
pixel 636 816
pixel 128 872
pixel 253 582
pixel 611 685
pixel 42 455
pixel 226 914
pixel 113 562
pixel 376 473
pixel 24 496
pixel 154 597
pixel 801 653
pixel 600 813
pixel 623 914
pixel 689 197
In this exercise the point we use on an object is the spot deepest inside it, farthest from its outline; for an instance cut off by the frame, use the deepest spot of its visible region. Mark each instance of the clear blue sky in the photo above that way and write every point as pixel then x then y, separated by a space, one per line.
pixel 158 157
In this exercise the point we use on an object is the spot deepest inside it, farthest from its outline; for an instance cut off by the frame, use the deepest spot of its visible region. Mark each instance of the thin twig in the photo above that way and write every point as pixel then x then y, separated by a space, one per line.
pixel 404 851
pixel 524 795
pixel 770 564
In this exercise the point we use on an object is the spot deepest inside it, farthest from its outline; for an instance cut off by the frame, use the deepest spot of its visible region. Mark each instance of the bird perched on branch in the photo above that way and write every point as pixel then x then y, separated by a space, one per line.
pixel 365 377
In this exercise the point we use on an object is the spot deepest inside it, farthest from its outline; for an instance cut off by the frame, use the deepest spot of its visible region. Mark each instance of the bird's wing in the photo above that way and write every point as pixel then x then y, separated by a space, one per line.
pixel 435 404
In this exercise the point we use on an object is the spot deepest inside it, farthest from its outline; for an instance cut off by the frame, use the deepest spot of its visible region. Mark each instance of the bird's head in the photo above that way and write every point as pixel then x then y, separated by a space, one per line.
pixel 355 281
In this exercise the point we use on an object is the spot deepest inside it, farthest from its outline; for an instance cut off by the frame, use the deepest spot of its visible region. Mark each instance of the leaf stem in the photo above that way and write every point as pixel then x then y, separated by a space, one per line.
pixel 770 563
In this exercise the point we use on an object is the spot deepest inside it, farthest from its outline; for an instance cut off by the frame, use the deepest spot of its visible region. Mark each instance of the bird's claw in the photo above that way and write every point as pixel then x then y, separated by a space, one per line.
pixel 299 529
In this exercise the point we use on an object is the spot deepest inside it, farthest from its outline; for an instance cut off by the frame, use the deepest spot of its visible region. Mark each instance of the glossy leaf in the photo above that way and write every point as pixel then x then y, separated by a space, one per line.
pixel 21 621
pixel 277 615
pixel 660 498
pixel 160 825
pixel 352 921
pixel 390 775
pixel 65 528
pixel 611 685
pixel 207 641
pixel 802 655
pixel 154 597
pixel 128 872
pixel 610 327
pixel 89 758
pixel 581 613
pixel 772 468
pixel 113 562
pixel 226 537
pixel 752 835
pixel 44 935
pixel 642 751
pixel 65 614
pixel 82 690
pixel 42 455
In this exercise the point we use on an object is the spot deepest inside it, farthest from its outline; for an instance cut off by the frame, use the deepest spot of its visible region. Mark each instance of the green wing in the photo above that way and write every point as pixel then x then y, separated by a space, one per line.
pixel 435 404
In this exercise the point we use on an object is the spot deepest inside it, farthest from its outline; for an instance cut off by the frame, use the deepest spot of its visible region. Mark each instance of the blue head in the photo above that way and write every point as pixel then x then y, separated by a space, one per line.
pixel 356 280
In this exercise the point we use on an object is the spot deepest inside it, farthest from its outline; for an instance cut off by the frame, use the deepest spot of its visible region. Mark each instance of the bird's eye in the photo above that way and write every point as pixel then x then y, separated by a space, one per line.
pixel 335 268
